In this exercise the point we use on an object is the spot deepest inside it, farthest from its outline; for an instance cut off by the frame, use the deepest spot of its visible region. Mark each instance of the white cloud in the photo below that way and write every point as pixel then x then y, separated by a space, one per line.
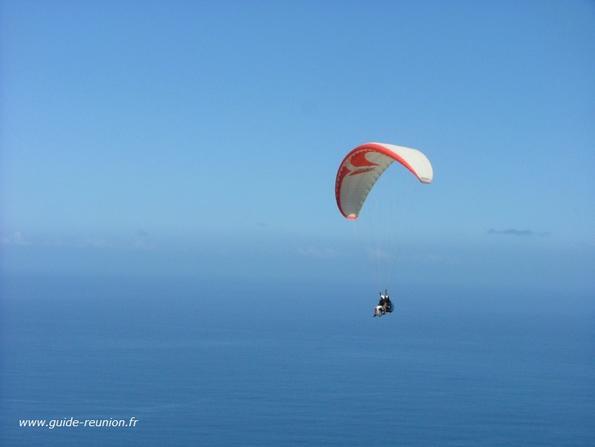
pixel 379 254
pixel 95 243
pixel 15 238
pixel 430 258
pixel 317 252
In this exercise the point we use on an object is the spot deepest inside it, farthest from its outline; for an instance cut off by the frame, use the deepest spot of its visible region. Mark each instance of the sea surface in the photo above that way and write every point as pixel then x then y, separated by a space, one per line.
pixel 253 364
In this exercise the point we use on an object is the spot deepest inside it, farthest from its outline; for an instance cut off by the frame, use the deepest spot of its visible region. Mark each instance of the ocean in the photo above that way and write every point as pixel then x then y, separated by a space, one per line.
pixel 231 363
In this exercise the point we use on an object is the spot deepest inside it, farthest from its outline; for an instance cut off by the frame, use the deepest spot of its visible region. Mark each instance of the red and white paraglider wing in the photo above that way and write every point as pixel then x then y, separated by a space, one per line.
pixel 362 167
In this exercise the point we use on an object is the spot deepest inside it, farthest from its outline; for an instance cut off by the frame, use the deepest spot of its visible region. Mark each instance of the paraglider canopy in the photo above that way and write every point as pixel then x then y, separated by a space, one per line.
pixel 363 166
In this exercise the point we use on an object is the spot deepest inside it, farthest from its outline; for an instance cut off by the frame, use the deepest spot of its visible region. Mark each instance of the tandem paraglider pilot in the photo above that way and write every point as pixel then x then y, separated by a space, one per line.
pixel 384 306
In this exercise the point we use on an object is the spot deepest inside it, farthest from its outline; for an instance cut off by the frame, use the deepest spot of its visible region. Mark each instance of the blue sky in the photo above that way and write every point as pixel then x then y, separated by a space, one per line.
pixel 204 137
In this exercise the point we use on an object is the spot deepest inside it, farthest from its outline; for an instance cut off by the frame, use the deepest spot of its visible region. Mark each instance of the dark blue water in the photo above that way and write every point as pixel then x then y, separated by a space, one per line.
pixel 448 368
